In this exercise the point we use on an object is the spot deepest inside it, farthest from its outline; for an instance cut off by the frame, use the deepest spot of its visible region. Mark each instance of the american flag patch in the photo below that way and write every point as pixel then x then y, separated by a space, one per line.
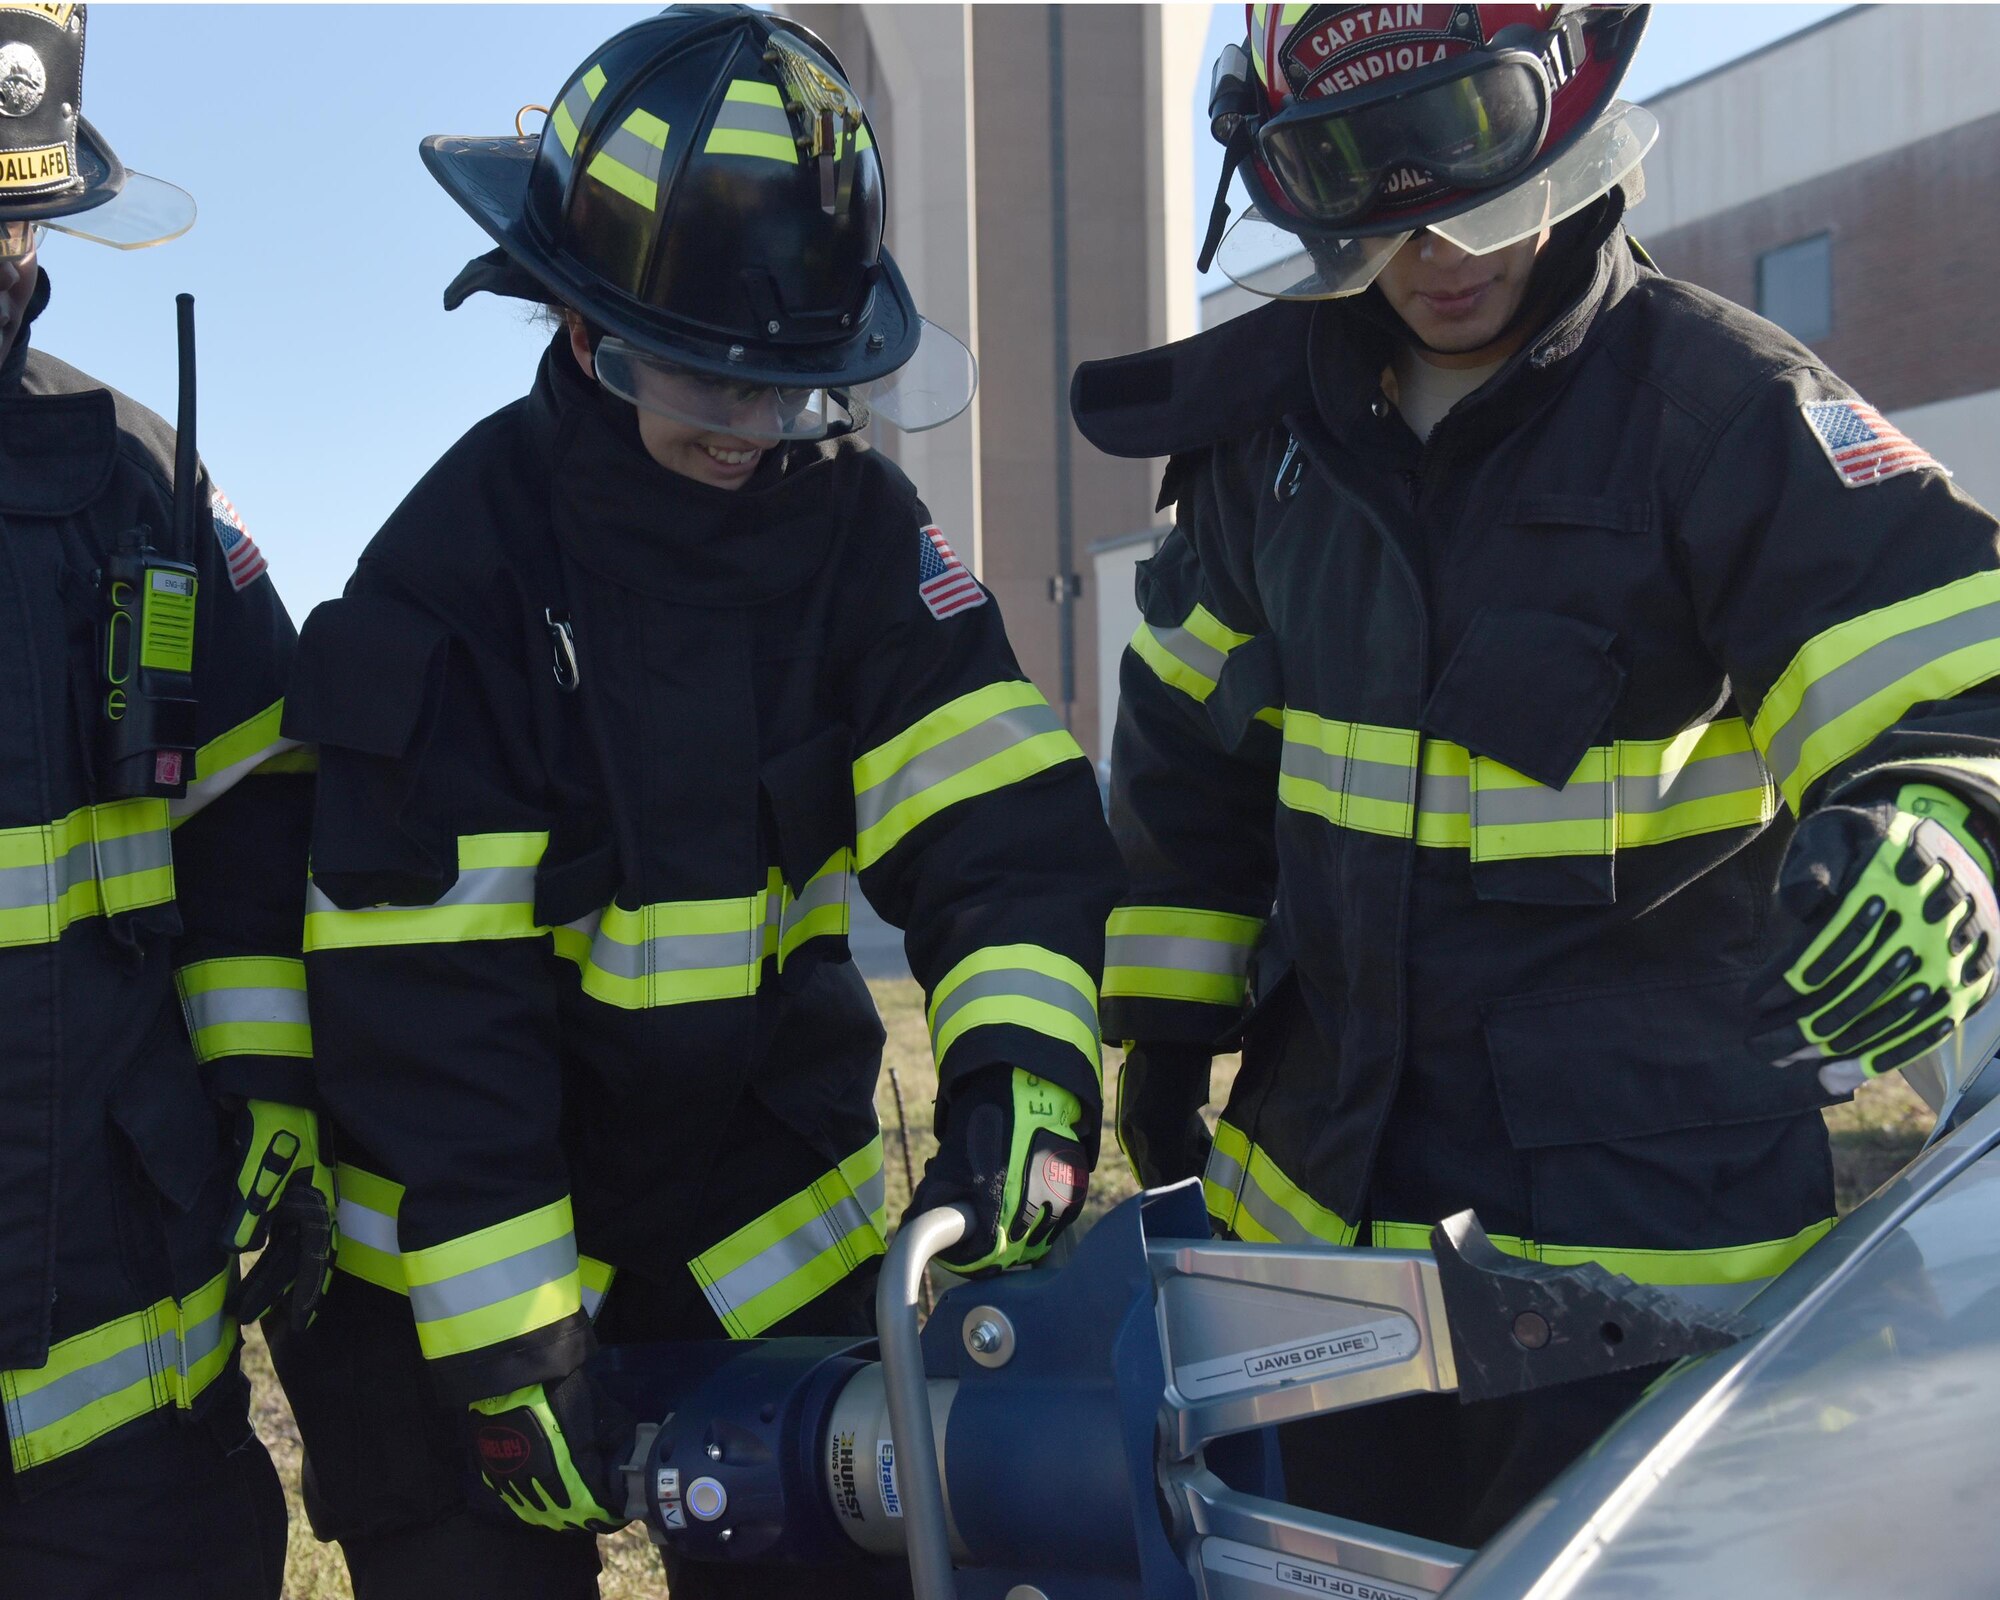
pixel 947 588
pixel 239 551
pixel 1863 445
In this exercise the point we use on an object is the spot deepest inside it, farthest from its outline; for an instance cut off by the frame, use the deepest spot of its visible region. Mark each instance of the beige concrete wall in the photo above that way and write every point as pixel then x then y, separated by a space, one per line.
pixel 977 147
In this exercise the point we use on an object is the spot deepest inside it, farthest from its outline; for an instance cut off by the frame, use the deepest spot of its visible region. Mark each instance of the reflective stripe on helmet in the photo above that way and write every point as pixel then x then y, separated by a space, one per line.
pixel 752 122
pixel 567 118
pixel 629 160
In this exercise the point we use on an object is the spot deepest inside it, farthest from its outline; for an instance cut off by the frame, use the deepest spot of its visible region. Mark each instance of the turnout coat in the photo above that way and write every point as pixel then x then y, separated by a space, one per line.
pixel 604 752
pixel 1489 748
pixel 150 977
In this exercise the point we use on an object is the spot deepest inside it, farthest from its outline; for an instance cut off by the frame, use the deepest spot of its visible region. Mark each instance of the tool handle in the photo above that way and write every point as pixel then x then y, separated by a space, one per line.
pixel 926 1531
pixel 187 465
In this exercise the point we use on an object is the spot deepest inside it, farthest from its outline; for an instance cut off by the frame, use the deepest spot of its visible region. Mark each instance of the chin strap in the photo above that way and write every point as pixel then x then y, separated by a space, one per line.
pixel 1218 217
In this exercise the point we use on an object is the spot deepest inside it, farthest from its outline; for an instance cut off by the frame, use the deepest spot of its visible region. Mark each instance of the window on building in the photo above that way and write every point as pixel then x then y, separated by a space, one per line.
pixel 1795 287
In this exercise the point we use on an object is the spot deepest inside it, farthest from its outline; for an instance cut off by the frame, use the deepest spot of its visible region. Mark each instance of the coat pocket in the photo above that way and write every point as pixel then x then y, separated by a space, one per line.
pixel 1525 695
pixel 1646 1122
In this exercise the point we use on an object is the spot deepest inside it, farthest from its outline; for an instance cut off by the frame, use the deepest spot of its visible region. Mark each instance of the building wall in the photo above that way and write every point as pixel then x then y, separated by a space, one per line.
pixel 1914 234
pixel 1040 178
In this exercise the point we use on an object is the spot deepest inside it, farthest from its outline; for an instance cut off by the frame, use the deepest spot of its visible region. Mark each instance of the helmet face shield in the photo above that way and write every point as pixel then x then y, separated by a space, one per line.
pixel 1475 123
pixel 931 388
pixel 145 211
pixel 759 412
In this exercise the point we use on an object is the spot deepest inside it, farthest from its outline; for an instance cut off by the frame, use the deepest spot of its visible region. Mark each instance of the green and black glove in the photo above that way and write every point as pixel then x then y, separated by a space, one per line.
pixel 552 1454
pixel 1161 1091
pixel 284 1207
pixel 1899 930
pixel 1009 1151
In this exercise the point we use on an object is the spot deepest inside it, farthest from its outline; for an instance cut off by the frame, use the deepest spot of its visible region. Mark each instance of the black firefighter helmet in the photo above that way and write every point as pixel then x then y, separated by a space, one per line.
pixel 707 193
pixel 56 170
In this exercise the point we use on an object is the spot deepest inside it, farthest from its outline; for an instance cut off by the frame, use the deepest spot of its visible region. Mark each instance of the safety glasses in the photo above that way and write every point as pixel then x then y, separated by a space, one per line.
pixel 1475 122
pixel 18 239
pixel 934 386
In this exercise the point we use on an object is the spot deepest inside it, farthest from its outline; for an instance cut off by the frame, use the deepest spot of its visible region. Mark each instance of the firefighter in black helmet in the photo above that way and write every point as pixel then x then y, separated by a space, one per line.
pixel 648 673
pixel 152 858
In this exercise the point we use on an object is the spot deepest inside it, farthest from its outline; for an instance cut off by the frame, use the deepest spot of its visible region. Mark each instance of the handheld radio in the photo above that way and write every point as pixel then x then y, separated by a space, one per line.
pixel 146 717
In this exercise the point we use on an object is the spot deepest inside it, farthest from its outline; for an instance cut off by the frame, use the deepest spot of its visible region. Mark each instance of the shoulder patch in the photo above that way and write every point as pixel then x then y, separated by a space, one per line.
pixel 1862 445
pixel 943 582
pixel 240 554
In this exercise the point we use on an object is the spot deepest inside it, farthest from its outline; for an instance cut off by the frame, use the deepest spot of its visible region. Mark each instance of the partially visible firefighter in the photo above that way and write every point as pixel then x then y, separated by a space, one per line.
pixel 153 823
pixel 1529 619
pixel 643 677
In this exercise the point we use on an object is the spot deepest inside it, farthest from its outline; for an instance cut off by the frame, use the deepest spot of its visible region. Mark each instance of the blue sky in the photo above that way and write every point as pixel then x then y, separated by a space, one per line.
pixel 331 376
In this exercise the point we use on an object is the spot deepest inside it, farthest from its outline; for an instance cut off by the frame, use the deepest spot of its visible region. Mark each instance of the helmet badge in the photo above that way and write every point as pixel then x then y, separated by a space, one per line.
pixel 23 80
pixel 830 109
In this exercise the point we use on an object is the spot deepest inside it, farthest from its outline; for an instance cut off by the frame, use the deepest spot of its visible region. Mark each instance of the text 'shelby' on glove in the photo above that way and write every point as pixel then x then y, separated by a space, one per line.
pixel 1898 929
pixel 551 1453
pixel 1009 1151
pixel 284 1207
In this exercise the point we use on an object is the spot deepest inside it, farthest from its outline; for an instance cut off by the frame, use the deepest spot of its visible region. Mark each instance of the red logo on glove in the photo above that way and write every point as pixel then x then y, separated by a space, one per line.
pixel 503 1451
pixel 1061 1177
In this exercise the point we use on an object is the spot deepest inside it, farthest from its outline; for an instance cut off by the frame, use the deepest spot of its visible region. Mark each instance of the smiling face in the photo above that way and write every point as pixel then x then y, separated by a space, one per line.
pixel 1457 305
pixel 720 460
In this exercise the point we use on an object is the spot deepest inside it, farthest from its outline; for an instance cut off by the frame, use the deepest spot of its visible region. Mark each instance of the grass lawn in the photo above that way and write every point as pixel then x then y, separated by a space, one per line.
pixel 1872 1137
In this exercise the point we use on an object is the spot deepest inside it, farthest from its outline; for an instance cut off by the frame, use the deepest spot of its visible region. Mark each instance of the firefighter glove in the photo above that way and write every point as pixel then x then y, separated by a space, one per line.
pixel 1896 933
pixel 552 1454
pixel 1009 1151
pixel 284 1207
pixel 1161 1090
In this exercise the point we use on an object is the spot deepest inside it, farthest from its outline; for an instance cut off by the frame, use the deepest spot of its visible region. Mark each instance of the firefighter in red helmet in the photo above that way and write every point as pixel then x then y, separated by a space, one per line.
pixel 1561 747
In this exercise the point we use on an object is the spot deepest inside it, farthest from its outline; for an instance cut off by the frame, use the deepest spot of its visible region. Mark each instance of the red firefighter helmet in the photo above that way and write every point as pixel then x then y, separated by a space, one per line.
pixel 1354 126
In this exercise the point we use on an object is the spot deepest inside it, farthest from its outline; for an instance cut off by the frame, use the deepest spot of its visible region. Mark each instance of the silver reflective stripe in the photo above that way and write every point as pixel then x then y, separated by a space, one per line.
pixel 1223 1170
pixel 476 886
pixel 1015 983
pixel 577 103
pixel 1875 669
pixel 592 1299
pixel 1580 802
pixel 65 1397
pixel 794 1252
pixel 629 150
pixel 674 952
pixel 753 116
pixel 366 1225
pixel 947 760
pixel 1708 778
pixel 136 852
pixel 1441 794
pixel 215 1006
pixel 828 889
pixel 1195 654
pixel 44 884
pixel 1368 780
pixel 202 1340
pixel 1218 956
pixel 480 1287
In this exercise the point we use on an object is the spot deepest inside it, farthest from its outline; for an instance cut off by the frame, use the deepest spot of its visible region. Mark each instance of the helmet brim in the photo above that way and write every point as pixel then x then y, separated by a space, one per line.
pixel 488 177
pixel 126 210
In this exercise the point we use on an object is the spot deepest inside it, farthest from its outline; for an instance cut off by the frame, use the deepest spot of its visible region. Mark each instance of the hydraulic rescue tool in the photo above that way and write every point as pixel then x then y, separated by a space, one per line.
pixel 146 632
pixel 1098 1432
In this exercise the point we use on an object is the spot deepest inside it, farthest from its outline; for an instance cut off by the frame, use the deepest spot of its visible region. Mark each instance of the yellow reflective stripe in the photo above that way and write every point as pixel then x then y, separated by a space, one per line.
pixel 1188 658
pixel 981 742
pixel 1018 985
pixel 820 909
pixel 1178 953
pixel 495 1284
pixel 567 118
pixel 98 860
pixel 1634 792
pixel 1848 685
pixel 116 1373
pixel 245 1005
pixel 222 763
pixel 366 1245
pixel 628 159
pixel 594 1283
pixel 1738 1263
pixel 752 121
pixel 800 1248
pixel 1265 1206
pixel 492 898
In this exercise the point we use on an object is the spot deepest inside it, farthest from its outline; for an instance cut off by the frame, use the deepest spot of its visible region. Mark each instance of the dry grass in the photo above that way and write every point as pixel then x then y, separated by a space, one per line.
pixel 1872 1137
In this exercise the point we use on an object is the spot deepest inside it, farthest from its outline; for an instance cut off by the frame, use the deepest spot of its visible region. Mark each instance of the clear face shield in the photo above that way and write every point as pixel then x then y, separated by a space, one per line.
pixel 145 211
pixel 934 386
pixel 1278 263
